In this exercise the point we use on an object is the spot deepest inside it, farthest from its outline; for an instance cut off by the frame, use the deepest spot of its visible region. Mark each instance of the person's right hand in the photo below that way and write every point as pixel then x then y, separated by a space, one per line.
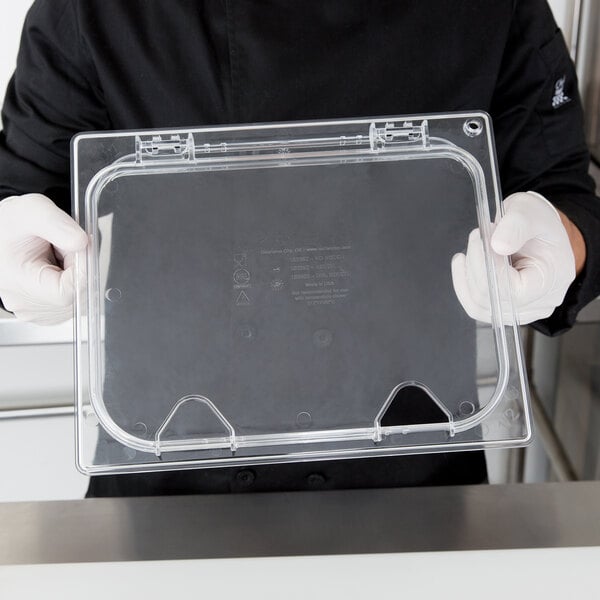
pixel 38 243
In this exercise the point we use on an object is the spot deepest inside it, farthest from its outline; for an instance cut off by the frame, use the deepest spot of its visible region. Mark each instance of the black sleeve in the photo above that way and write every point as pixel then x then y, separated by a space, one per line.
pixel 53 94
pixel 540 141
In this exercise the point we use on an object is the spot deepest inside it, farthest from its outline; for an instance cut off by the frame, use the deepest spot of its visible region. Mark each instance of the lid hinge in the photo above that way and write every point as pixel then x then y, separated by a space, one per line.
pixel 175 147
pixel 390 134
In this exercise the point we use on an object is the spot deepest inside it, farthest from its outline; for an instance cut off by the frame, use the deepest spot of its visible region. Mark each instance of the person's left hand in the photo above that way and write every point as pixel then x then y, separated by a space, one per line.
pixel 536 237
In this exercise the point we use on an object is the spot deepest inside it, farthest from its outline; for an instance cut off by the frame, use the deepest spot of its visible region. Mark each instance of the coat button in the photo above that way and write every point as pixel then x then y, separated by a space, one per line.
pixel 315 479
pixel 245 477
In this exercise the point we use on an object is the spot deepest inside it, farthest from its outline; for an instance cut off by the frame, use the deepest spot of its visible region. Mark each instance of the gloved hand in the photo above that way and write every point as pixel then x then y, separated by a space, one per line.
pixel 38 242
pixel 543 264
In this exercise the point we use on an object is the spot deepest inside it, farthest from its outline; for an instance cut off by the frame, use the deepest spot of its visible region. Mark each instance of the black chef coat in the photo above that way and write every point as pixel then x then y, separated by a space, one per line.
pixel 115 64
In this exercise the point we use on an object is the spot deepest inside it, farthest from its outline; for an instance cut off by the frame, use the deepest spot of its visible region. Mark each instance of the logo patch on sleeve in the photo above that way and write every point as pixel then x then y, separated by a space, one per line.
pixel 560 97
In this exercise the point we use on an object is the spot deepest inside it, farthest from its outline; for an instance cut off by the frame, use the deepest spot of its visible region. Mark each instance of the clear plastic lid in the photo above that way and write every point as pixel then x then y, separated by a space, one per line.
pixel 282 292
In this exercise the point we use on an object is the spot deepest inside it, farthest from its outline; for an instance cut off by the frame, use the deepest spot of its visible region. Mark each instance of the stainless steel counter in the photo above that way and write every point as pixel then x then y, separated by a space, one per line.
pixel 302 523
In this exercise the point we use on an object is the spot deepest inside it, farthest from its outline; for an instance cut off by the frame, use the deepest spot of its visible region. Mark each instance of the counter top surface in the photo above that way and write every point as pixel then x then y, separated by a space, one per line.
pixel 487 517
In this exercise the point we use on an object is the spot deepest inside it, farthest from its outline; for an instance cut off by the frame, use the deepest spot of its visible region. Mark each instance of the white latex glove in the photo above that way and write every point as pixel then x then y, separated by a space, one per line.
pixel 38 242
pixel 543 265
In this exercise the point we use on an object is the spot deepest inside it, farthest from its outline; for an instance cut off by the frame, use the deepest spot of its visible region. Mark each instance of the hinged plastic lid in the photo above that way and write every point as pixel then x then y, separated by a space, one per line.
pixel 283 292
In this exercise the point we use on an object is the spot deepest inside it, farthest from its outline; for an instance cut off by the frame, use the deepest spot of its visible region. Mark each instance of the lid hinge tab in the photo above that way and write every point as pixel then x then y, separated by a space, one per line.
pixel 390 134
pixel 170 148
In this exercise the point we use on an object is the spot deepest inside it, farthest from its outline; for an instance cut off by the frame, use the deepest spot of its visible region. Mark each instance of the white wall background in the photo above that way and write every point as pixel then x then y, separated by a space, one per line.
pixel 37 454
pixel 563 13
